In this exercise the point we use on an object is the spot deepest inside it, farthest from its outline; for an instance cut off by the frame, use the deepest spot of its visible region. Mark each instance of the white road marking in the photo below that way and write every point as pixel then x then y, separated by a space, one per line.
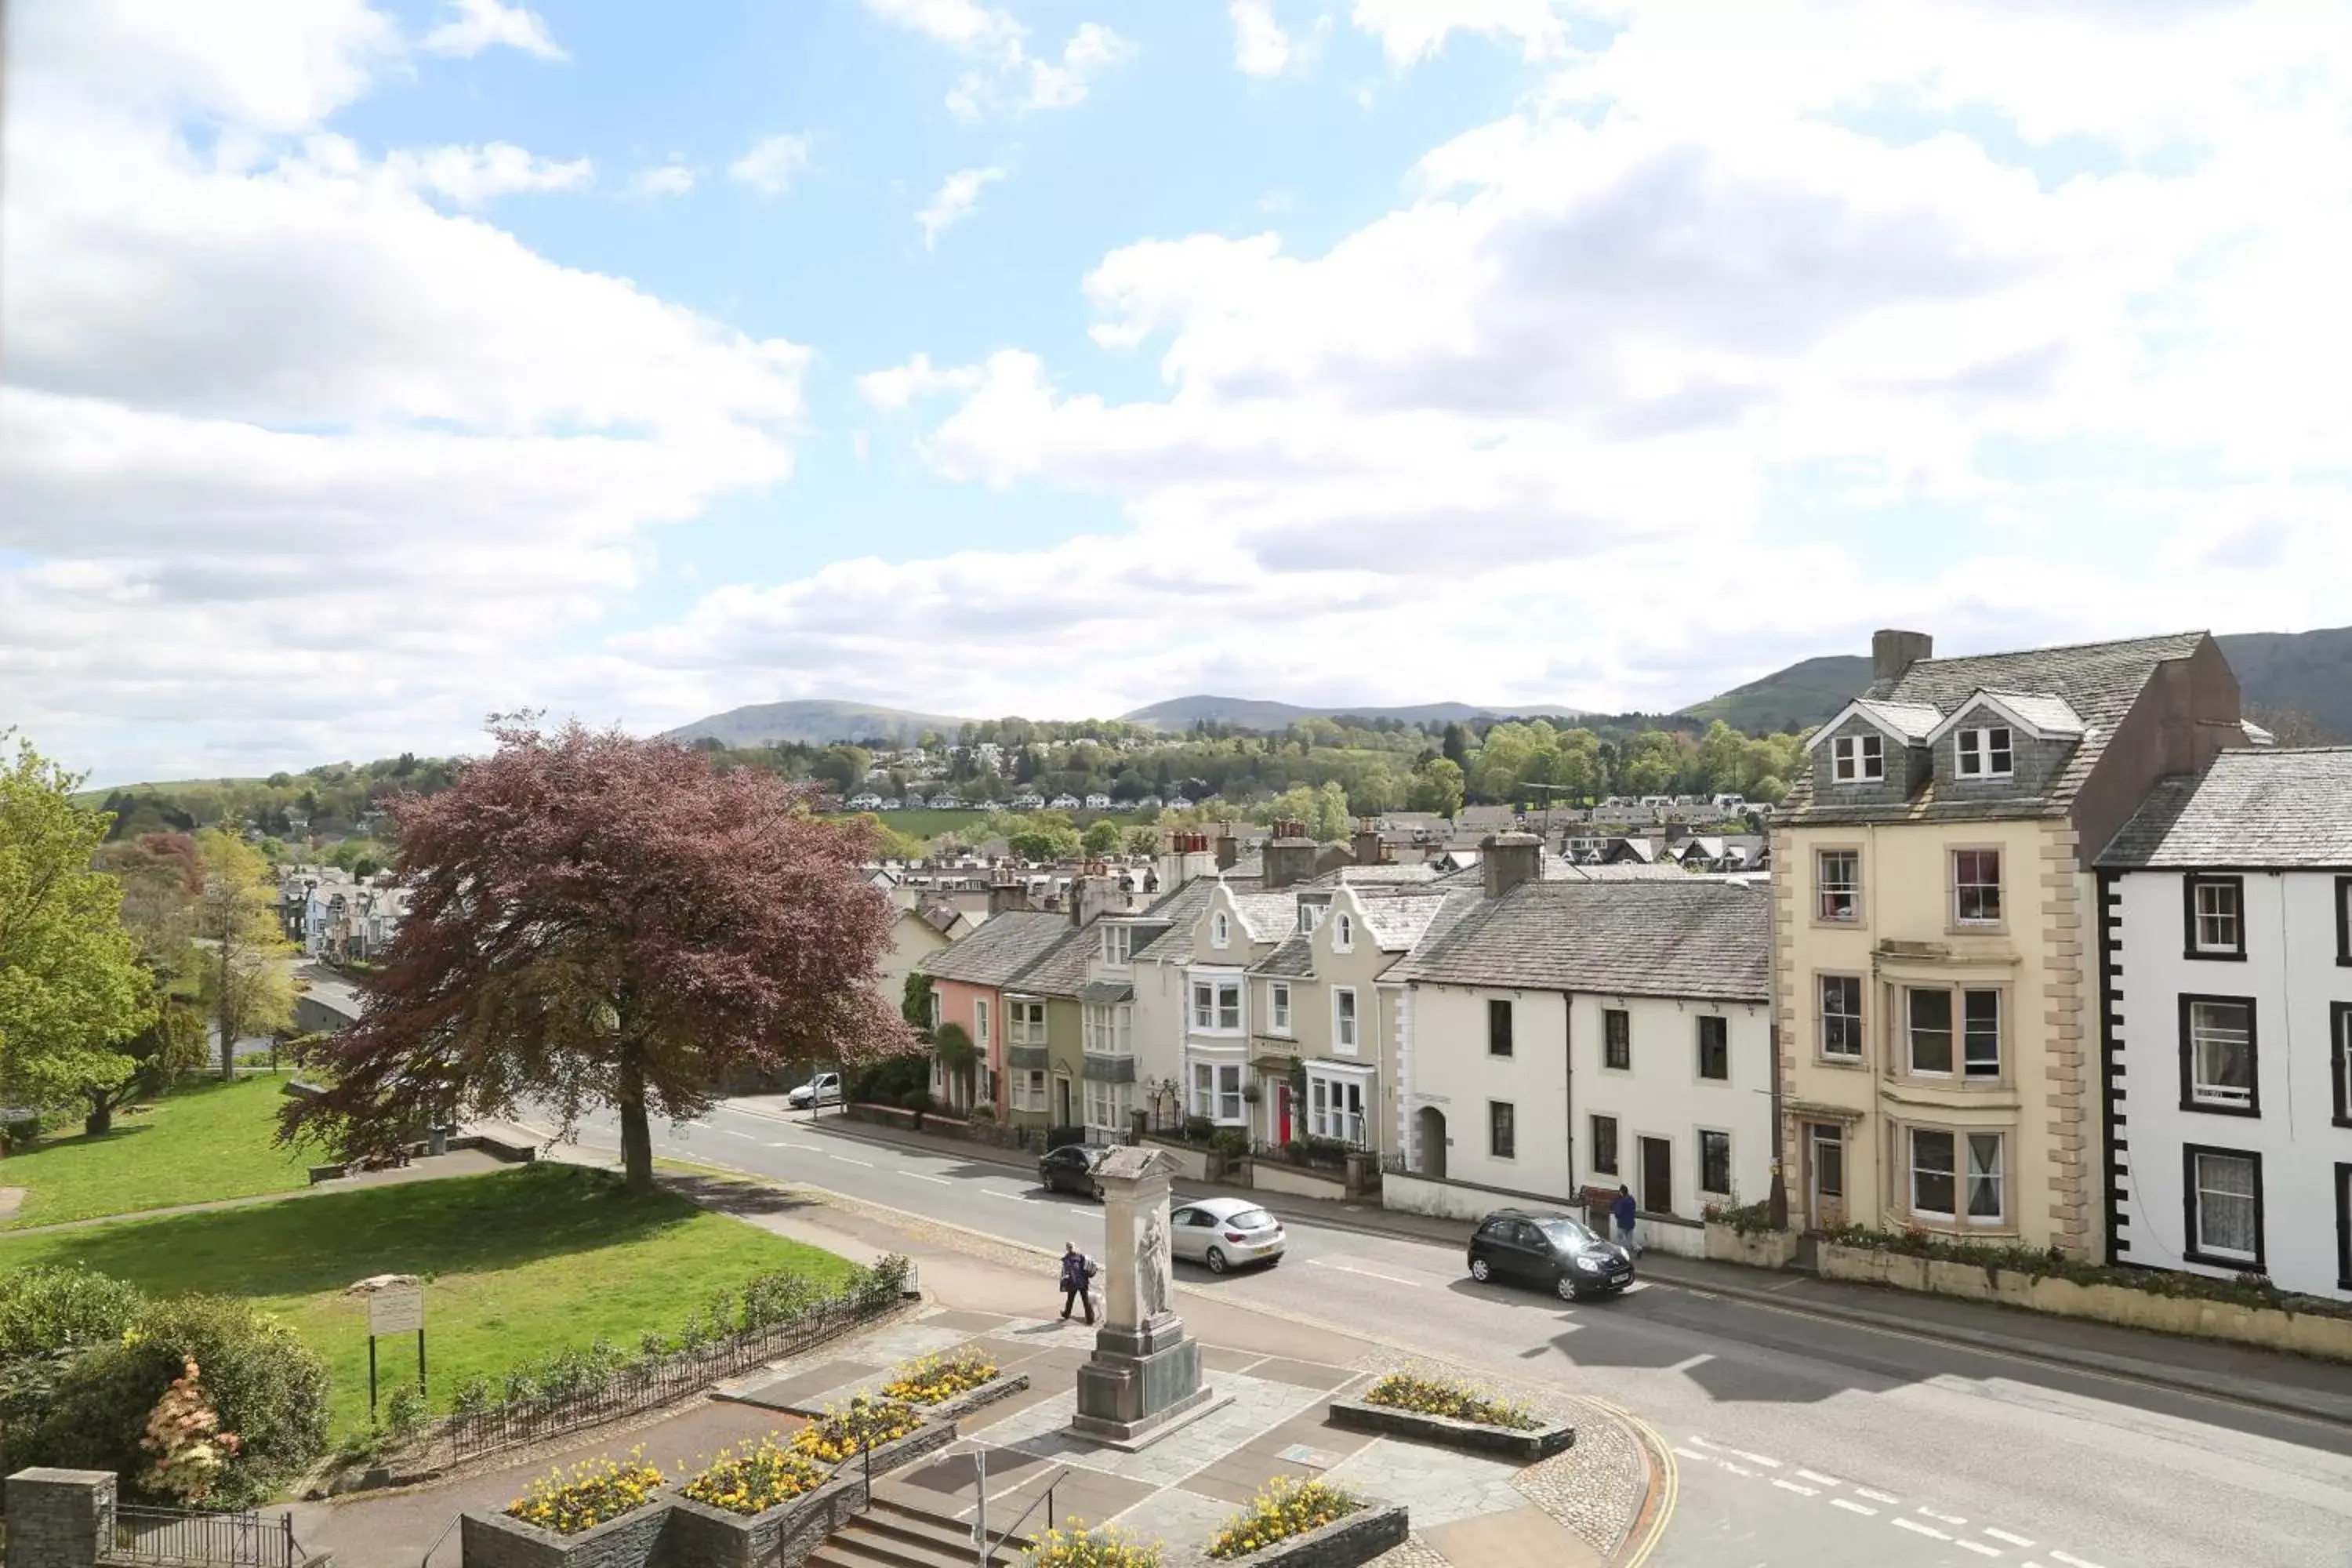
pixel 1941 1518
pixel 733 1133
pixel 1878 1497
pixel 1734 1469
pixel 785 1145
pixel 1765 1460
pixel 1816 1475
pixel 918 1176
pixel 1367 1273
pixel 2071 1561
pixel 2004 1535
pixel 1979 1548
pixel 1916 1528
pixel 1852 1506
pixel 1793 1487
pixel 995 1193
pixel 1690 1453
pixel 1698 1360
pixel 847 1161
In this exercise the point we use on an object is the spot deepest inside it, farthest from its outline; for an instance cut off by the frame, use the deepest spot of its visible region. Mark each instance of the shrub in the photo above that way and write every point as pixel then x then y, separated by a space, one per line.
pixel 891 1080
pixel 1745 1219
pixel 1231 1142
pixel 589 1495
pixel 1455 1400
pixel 755 1479
pixel 933 1378
pixel 405 1412
pixel 1287 1507
pixel 267 1386
pixel 1199 1130
pixel 54 1307
pixel 862 1422
pixel 1078 1547
pixel 191 1451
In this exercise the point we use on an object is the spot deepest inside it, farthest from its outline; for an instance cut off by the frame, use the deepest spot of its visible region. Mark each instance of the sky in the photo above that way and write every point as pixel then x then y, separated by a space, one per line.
pixel 366 369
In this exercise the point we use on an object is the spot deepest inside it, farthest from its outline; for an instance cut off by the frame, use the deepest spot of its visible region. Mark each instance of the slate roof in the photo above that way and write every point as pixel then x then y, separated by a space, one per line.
pixel 1001 948
pixel 1181 908
pixel 2099 683
pixel 2267 806
pixel 2050 714
pixel 1267 917
pixel 1408 871
pixel 1912 721
pixel 1559 871
pixel 1061 969
pixel 1689 938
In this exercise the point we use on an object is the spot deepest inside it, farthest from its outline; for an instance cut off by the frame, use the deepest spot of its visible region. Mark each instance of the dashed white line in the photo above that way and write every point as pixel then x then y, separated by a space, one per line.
pixel 1941 1518
pixel 1878 1497
pixel 2004 1535
pixel 1691 1453
pixel 733 1133
pixel 783 1145
pixel 1793 1487
pixel 847 1161
pixel 2072 1562
pixel 1734 1469
pixel 918 1175
pixel 1765 1460
pixel 1852 1506
pixel 1009 1197
pixel 1916 1528
pixel 1977 1547
pixel 1820 1480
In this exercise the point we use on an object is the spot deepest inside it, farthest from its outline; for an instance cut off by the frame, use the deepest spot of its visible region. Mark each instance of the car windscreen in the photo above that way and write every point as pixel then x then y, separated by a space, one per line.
pixel 1250 1219
pixel 1567 1233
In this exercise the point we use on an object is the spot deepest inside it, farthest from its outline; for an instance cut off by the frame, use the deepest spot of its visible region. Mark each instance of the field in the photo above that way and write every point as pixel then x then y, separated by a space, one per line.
pixel 205 1139
pixel 971 826
pixel 518 1264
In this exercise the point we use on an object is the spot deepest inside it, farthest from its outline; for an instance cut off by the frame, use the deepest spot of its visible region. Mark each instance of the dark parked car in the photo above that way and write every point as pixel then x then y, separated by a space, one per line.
pixel 1071 1169
pixel 1552 1250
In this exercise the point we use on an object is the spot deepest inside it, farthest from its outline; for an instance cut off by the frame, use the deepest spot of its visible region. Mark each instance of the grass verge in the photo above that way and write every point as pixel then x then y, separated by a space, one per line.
pixel 519 1264
pixel 205 1139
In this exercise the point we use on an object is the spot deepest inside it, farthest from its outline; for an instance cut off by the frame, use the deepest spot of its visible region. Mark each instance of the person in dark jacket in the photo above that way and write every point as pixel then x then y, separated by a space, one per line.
pixel 1624 1211
pixel 1075 1272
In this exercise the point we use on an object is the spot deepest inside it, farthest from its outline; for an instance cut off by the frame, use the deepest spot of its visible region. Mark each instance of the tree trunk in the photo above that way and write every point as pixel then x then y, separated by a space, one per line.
pixel 227 1030
pixel 637 1136
pixel 102 1114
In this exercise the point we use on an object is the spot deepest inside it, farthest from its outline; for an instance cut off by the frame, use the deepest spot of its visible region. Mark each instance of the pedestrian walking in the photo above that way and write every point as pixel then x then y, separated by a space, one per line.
pixel 1077 1288
pixel 1624 1210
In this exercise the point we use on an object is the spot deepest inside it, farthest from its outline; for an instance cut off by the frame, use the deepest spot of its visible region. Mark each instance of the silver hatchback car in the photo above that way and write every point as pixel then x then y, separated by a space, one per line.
pixel 1224 1233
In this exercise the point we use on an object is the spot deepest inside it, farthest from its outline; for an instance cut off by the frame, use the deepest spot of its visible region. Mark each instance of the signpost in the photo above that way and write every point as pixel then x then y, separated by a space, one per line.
pixel 395 1309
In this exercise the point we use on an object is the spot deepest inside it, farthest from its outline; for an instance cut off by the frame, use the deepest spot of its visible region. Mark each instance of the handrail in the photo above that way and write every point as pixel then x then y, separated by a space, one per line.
pixel 1061 1472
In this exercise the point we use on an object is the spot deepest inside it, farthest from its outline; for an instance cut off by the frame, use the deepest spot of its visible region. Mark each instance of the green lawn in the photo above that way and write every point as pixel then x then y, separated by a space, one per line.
pixel 978 824
pixel 519 1263
pixel 205 1139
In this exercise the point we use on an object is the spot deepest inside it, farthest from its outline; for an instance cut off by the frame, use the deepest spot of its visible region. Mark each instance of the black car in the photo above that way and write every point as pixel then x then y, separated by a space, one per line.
pixel 1071 1169
pixel 1548 1249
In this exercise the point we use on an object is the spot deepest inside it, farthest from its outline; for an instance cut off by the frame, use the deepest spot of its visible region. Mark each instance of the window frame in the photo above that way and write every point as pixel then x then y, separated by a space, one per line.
pixel 1999 1177
pixel 1503 1132
pixel 1950 1172
pixel 2192 1247
pixel 1278 1007
pixel 2189 1001
pixel 1343 932
pixel 1594 1122
pixel 1851 755
pixel 1983 750
pixel 2191 947
pixel 1860 1055
pixel 1119 946
pixel 2343 1225
pixel 1347 1041
pixel 1501 1042
pixel 1958 1075
pixel 1221 930
pixel 1019 1029
pixel 1699 1049
pixel 1851 893
pixel 980 1019
pixel 2339 1060
pixel 1337 1107
pixel 1724 1138
pixel 1613 1037
pixel 2344 920
pixel 1999 917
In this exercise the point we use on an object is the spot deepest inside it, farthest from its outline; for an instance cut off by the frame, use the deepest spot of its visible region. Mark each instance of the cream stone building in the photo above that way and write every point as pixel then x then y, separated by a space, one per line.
pixel 1933 984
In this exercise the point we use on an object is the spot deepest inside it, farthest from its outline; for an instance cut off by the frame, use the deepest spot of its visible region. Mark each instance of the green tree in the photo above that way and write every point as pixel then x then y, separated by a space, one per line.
pixel 1457 744
pixel 1047 835
pixel 1101 838
pixel 1437 787
pixel 70 984
pixel 1652 763
pixel 1723 759
pixel 247 988
pixel 1329 818
pixel 914 1004
pixel 1143 841
pixel 887 841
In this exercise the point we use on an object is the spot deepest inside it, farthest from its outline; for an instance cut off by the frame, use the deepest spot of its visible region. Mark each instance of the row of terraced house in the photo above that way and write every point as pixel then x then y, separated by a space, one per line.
pixel 2055 950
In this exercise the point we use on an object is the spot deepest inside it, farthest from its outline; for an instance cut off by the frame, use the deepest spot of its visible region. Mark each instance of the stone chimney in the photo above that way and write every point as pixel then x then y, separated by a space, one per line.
pixel 1006 892
pixel 1094 892
pixel 1509 859
pixel 1229 848
pixel 1372 849
pixel 1892 653
pixel 1189 858
pixel 1290 855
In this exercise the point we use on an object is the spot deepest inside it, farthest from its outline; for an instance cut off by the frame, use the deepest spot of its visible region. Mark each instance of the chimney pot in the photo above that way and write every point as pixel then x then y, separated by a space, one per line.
pixel 1893 652
pixel 1508 859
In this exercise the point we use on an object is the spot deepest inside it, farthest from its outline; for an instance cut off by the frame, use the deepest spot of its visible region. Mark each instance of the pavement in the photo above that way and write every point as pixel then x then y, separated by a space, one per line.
pixel 1838 1431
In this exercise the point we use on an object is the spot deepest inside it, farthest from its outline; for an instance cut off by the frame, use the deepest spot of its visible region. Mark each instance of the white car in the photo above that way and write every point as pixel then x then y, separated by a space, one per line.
pixel 1224 1233
pixel 824 1089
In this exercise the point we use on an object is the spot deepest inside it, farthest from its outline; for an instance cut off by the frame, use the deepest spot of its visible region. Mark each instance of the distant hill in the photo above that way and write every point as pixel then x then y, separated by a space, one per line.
pixel 2279 674
pixel 815 722
pixel 1253 713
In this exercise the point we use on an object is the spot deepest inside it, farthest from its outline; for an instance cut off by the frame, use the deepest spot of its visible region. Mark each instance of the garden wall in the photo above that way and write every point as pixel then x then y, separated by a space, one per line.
pixel 1347 1543
pixel 1475 1437
pixel 1762 1249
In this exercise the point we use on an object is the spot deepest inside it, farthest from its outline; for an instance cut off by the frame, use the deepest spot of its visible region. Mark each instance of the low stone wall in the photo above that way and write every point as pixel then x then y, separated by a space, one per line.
pixel 1476 1436
pixel 1450 1200
pixel 1375 1528
pixel 1280 1176
pixel 60 1519
pixel 632 1541
pixel 2303 1333
pixel 1193 1161
pixel 1662 1232
pixel 1763 1250
pixel 700 1536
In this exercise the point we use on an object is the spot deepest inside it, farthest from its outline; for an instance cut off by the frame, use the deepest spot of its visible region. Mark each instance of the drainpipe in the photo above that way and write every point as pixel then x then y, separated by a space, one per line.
pixel 1777 1195
pixel 1567 1083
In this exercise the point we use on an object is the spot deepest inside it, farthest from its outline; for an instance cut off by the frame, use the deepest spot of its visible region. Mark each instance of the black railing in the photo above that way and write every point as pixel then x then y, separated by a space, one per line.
pixel 647 1384
pixel 199 1539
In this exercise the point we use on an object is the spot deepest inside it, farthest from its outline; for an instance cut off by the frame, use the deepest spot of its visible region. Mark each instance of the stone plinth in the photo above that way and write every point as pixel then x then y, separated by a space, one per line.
pixel 60 1519
pixel 1145 1375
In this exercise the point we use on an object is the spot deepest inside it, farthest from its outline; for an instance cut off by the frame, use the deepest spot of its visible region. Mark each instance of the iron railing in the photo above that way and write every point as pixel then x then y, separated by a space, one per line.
pixel 198 1539
pixel 647 1384
pixel 1012 1531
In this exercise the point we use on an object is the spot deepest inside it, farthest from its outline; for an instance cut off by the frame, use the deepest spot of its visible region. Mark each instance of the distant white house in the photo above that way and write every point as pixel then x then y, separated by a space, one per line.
pixel 1028 800
pixel 1097 803
pixel 1067 803
pixel 865 800
pixel 946 801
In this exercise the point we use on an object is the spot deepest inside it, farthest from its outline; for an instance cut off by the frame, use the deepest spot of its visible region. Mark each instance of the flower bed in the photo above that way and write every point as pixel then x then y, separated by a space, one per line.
pixel 593 1493
pixel 755 1479
pixel 1454 1400
pixel 1078 1547
pixel 862 1423
pixel 1301 1524
pixel 1287 1507
pixel 934 1378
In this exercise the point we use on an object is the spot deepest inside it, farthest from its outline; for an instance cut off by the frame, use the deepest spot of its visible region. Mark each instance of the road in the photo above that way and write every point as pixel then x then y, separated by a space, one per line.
pixel 1798 1439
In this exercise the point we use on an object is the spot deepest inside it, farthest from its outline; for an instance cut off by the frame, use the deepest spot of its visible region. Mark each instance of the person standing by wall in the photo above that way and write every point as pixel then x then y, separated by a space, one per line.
pixel 1076 1289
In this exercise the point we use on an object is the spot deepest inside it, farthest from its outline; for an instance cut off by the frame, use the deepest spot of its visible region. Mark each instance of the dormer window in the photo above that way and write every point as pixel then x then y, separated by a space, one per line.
pixel 1118 943
pixel 1221 930
pixel 1859 758
pixel 1985 754
pixel 1343 935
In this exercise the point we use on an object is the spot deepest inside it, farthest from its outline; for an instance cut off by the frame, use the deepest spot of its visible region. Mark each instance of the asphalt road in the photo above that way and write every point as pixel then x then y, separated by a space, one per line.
pixel 1799 1440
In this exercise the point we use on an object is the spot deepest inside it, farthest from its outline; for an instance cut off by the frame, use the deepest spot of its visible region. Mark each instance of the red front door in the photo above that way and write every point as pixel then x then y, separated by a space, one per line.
pixel 1282 1114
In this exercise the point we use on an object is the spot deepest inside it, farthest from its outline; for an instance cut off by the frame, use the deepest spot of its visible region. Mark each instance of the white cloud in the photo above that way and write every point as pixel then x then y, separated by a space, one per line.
pixel 480 24
pixel 470 176
pixel 773 163
pixel 1261 46
pixel 662 180
pixel 1005 77
pixel 1091 50
pixel 956 199
pixel 902 387
pixel 1411 30
pixel 959 23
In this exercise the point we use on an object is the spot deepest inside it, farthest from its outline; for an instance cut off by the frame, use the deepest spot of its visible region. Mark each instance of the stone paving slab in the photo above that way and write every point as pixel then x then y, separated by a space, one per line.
pixel 791 1393
pixel 1437 1485
pixel 1526 1534
pixel 1255 1405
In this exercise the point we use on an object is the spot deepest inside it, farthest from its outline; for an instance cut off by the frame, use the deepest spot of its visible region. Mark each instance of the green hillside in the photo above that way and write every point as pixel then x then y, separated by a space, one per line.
pixel 1797 697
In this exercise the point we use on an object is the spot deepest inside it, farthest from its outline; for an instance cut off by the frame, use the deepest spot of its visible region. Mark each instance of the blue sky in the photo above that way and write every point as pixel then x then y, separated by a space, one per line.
pixel 377 366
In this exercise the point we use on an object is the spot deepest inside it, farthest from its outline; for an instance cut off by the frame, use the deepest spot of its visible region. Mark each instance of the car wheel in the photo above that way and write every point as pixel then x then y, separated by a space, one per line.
pixel 1567 1288
pixel 1481 1270
pixel 1215 1260
pixel 1097 1186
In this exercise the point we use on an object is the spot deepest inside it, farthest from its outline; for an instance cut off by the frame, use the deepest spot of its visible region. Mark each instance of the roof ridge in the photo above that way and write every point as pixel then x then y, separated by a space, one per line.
pixel 2064 647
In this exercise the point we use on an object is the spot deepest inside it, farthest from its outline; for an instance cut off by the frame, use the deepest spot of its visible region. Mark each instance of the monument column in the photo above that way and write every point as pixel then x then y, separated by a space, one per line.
pixel 1145 1375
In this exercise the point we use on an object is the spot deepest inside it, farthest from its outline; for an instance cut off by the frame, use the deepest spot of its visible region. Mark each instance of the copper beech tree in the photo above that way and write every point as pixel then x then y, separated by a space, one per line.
pixel 600 921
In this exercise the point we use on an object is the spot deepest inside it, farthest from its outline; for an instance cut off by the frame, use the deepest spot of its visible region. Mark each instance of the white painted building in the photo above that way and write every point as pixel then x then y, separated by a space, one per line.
pixel 1569 1038
pixel 2228 1034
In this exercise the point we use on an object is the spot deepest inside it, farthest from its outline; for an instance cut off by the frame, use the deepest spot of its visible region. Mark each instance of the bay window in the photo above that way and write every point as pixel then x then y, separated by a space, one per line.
pixel 1217 1005
pixel 1217 1092
pixel 1942 1188
pixel 1108 1033
pixel 1335 1106
pixel 1929 1013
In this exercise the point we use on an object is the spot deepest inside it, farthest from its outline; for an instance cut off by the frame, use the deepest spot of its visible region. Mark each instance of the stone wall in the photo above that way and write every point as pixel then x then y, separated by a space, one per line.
pixel 60 1519
pixel 1347 1543
pixel 1526 1447
pixel 1764 1249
